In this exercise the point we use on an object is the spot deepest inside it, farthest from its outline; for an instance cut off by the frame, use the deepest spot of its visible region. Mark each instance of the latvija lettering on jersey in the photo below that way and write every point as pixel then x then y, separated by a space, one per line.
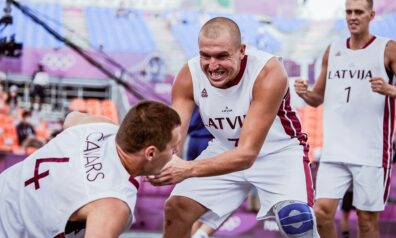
pixel 92 156
pixel 348 73
pixel 222 123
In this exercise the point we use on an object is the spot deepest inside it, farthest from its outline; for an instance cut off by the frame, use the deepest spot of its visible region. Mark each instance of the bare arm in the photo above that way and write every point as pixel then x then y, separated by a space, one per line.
pixel 381 85
pixel 268 92
pixel 315 97
pixel 183 100
pixel 107 217
pixel 76 118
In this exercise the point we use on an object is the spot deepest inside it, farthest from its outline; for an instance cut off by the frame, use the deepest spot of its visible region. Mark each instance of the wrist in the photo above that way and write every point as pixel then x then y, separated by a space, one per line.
pixel 191 170
pixel 392 91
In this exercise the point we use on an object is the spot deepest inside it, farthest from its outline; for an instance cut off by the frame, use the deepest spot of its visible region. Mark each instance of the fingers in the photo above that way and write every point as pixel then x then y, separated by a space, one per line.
pixel 301 86
pixel 159 180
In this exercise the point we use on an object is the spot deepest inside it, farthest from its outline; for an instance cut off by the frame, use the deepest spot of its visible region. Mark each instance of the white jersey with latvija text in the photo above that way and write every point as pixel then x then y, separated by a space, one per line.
pixel 358 123
pixel 223 110
pixel 78 166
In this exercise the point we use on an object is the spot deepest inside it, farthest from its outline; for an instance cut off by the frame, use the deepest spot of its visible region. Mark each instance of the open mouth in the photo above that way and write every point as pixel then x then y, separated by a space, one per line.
pixel 217 75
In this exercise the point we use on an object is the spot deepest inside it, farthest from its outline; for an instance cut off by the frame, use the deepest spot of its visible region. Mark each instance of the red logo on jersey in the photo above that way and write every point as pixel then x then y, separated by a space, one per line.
pixel 204 94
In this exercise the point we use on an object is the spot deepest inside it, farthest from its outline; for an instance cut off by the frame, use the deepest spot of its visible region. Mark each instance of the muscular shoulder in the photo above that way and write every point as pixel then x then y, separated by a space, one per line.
pixel 76 118
pixel 390 56
pixel 390 50
pixel 183 86
pixel 272 76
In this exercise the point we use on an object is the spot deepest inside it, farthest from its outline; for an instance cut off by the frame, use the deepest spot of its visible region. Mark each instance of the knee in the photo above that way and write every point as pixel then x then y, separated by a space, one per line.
pixel 323 215
pixel 367 221
pixel 295 219
pixel 177 210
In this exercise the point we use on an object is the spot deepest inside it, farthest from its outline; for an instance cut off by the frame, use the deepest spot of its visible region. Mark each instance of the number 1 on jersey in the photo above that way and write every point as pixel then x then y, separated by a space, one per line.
pixel 348 93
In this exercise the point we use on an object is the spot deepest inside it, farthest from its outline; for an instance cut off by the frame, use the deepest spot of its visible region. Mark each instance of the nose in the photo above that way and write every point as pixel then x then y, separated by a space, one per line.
pixel 213 65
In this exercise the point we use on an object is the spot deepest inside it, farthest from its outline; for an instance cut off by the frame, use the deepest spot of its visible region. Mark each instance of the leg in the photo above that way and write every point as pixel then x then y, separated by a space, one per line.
pixel 325 209
pixel 368 224
pixel 180 214
pixel 295 219
pixel 344 222
pixel 346 208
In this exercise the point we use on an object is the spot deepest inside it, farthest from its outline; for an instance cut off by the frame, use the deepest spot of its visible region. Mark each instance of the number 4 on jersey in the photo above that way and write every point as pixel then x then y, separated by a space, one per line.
pixel 37 176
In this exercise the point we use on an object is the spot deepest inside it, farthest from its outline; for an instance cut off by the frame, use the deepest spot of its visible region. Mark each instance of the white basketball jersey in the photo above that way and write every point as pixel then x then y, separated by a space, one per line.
pixel 358 123
pixel 78 166
pixel 223 110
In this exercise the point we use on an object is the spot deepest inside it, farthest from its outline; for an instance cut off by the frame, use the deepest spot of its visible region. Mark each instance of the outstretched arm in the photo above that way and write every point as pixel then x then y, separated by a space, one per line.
pixel 268 92
pixel 315 97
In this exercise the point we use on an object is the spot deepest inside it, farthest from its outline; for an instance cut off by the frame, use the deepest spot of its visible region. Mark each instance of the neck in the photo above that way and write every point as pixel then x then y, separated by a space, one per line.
pixel 359 41
pixel 130 162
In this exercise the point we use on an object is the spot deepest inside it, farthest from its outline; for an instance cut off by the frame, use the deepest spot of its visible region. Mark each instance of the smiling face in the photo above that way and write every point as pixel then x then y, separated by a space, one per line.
pixel 220 60
pixel 220 51
pixel 358 16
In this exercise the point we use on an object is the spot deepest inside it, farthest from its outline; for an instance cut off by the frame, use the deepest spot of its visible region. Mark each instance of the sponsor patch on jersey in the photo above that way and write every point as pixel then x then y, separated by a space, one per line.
pixel 226 109
pixel 204 94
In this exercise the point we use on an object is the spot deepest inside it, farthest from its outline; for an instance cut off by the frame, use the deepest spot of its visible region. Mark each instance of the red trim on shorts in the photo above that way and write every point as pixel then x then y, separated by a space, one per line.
pixel 387 183
pixel 292 126
pixel 348 44
pixel 134 182
pixel 240 74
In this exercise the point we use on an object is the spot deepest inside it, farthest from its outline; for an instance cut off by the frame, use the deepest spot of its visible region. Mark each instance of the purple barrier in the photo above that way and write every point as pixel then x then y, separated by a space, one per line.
pixel 7 160
pixel 65 62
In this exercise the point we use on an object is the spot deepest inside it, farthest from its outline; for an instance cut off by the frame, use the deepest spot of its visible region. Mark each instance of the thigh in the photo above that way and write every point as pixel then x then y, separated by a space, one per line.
pixel 280 177
pixel 221 194
pixel 333 180
pixel 369 188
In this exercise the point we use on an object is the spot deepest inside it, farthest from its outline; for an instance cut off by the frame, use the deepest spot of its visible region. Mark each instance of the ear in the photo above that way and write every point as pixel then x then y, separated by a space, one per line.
pixel 150 152
pixel 372 15
pixel 242 50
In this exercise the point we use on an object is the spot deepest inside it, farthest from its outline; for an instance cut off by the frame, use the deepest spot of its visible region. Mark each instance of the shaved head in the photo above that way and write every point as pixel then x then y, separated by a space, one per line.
pixel 369 3
pixel 220 26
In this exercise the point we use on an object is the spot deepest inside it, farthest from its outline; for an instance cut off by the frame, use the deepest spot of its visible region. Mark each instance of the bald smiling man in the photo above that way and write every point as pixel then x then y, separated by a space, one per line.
pixel 235 87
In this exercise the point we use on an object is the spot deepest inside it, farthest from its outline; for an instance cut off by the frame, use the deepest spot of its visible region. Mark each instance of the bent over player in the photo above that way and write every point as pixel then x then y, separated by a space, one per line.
pixel 84 177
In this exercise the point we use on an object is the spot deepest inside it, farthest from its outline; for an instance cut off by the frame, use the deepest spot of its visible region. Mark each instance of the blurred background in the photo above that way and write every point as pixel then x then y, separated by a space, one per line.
pixel 103 56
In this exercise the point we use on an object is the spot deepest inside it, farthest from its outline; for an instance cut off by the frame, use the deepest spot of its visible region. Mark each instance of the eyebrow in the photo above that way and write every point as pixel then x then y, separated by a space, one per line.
pixel 222 53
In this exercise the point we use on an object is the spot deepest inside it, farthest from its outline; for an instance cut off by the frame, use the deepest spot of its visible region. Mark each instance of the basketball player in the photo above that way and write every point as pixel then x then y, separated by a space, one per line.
pixel 84 177
pixel 355 85
pixel 233 88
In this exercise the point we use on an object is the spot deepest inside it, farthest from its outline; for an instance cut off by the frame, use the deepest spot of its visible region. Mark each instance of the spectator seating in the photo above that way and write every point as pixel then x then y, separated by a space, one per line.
pixel 95 107
pixel 32 34
pixel 118 34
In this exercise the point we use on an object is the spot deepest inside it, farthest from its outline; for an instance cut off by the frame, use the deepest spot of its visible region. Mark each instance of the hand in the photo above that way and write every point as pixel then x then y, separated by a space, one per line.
pixel 301 87
pixel 379 85
pixel 175 171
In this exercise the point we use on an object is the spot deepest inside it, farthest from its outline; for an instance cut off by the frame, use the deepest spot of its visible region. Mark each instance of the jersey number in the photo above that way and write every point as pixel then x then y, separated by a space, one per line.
pixel 37 176
pixel 348 93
